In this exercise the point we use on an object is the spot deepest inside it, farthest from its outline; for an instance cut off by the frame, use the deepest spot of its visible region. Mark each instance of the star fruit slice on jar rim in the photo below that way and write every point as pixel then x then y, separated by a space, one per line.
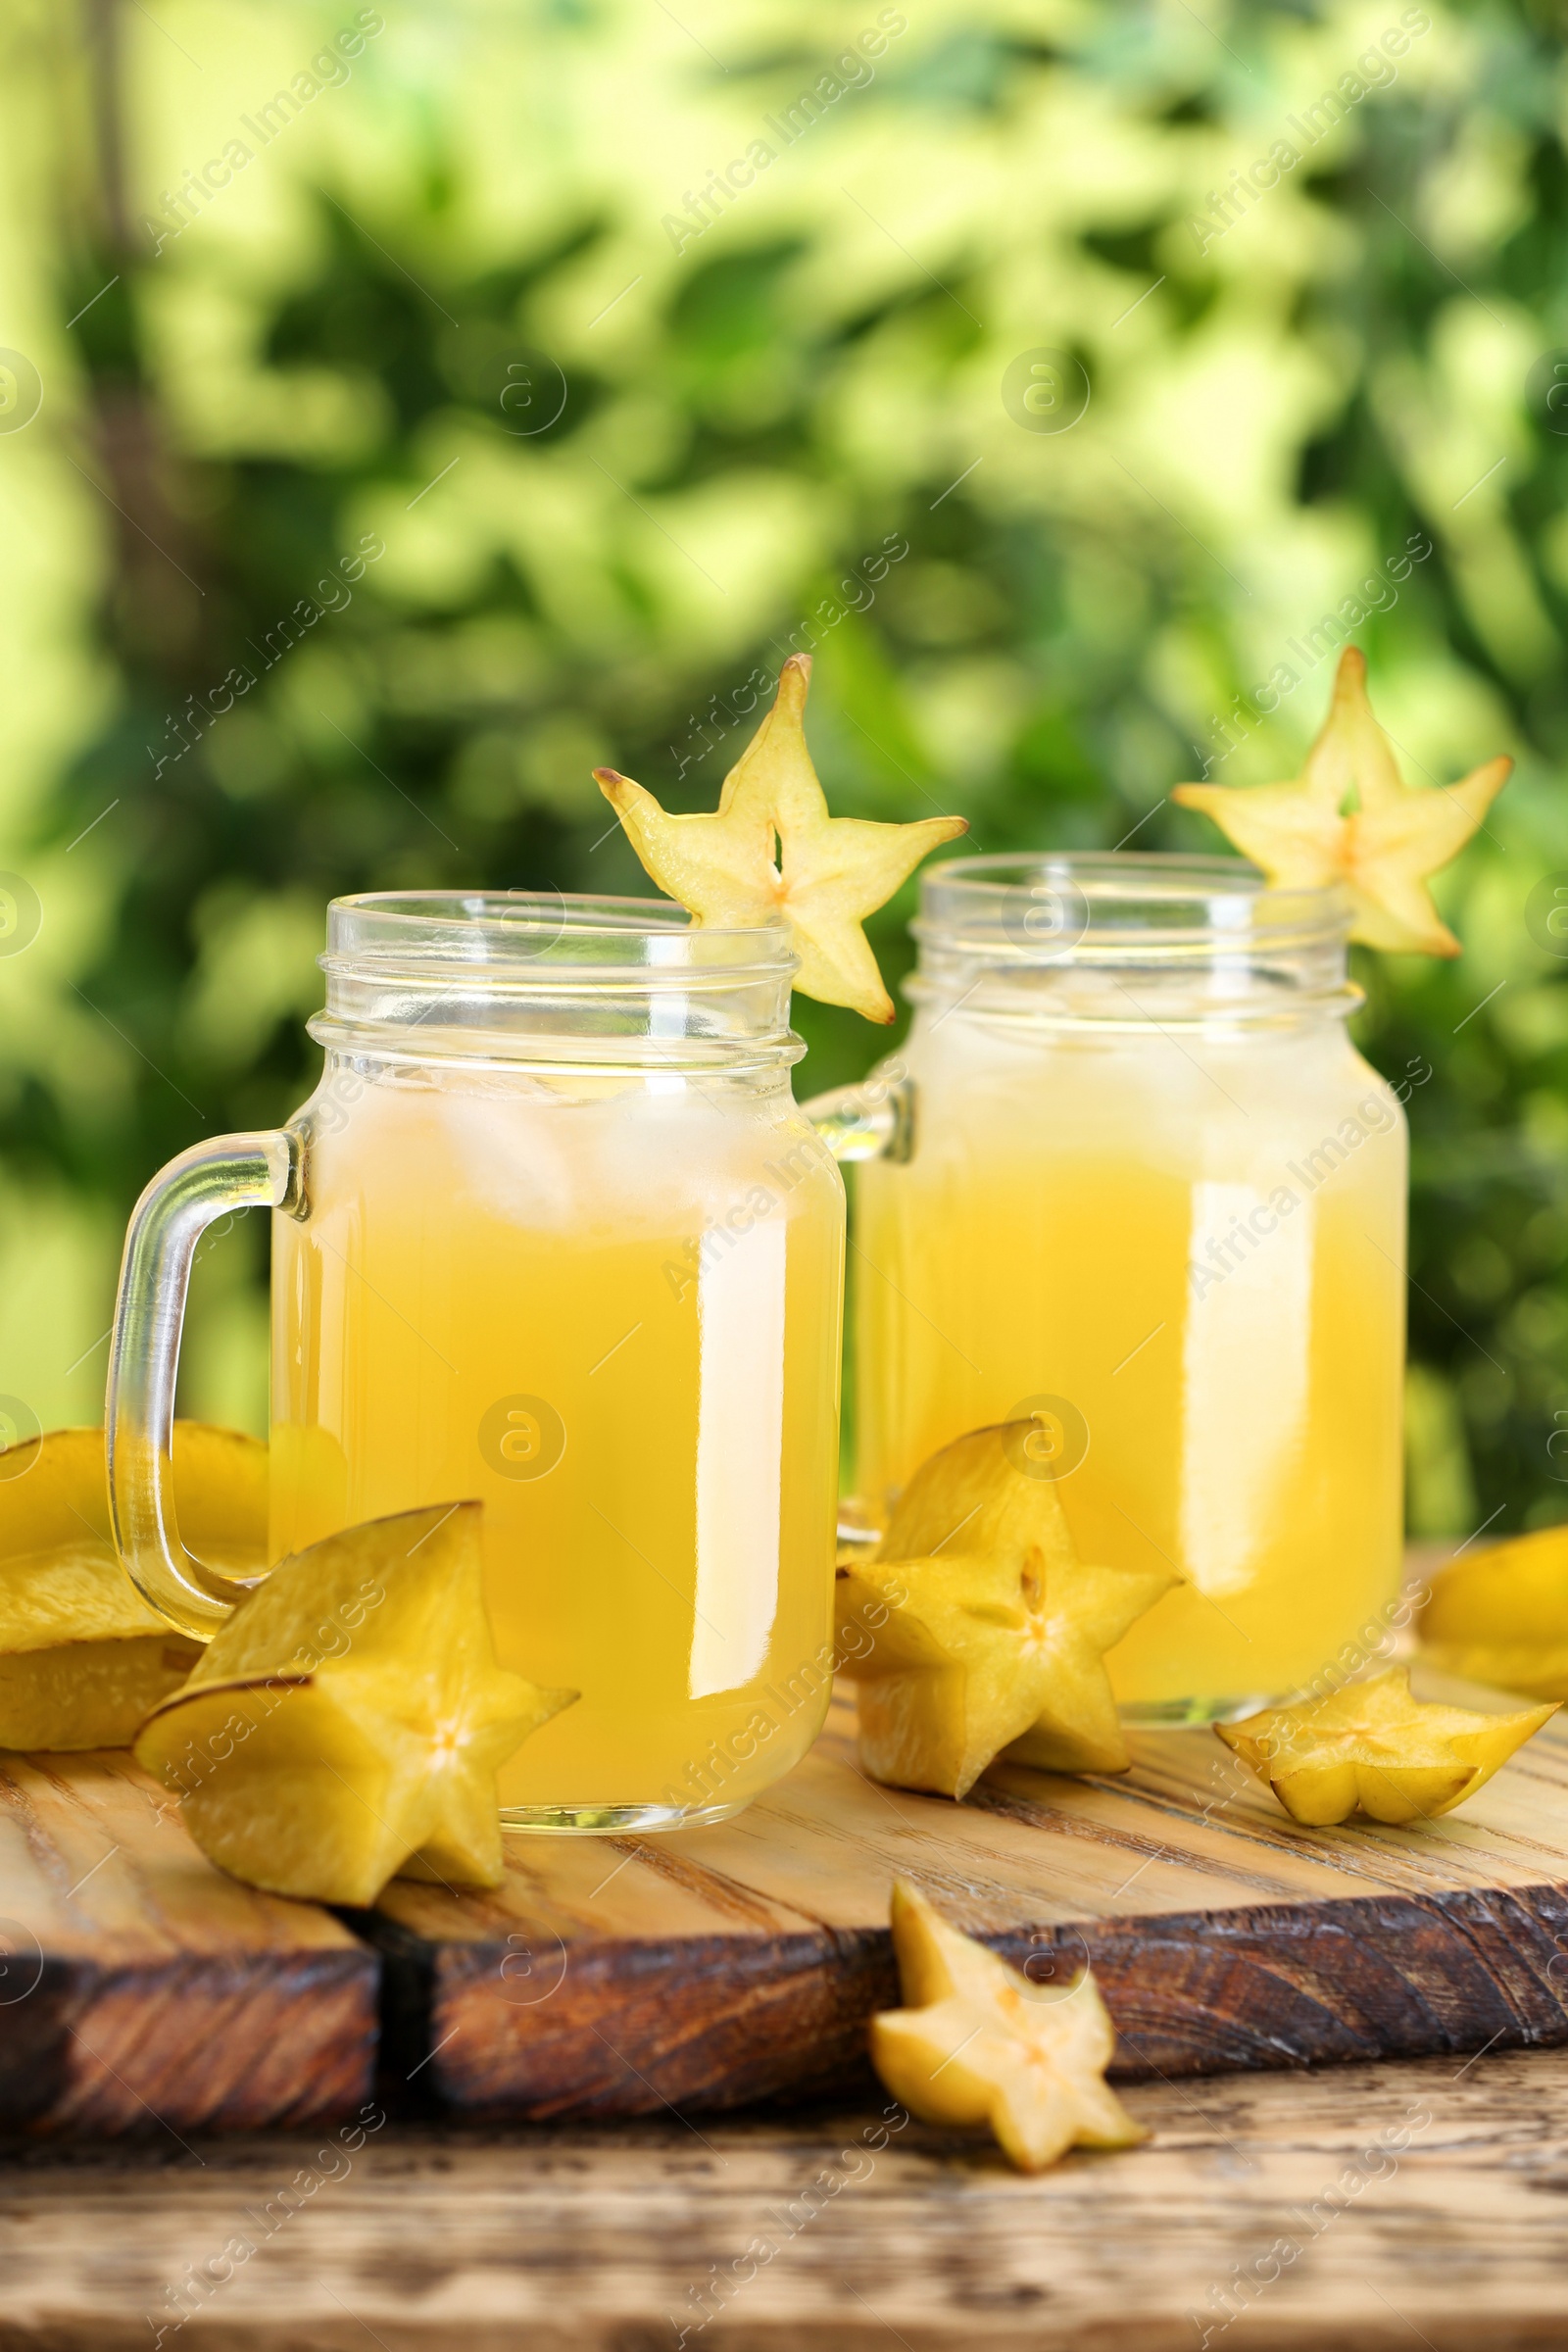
pixel 82 1656
pixel 832 871
pixel 1372 1748
pixel 977 1629
pixel 1501 1615
pixel 1380 850
pixel 977 2042
pixel 346 1723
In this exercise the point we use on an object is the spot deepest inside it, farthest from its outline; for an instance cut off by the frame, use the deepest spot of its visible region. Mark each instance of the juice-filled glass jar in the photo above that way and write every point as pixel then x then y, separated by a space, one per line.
pixel 1148 1194
pixel 550 1233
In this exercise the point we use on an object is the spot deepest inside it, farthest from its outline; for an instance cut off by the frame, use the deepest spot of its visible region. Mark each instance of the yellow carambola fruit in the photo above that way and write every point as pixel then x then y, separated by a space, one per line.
pixel 346 1723
pixel 1372 1748
pixel 1502 1616
pixel 978 1629
pixel 976 2042
pixel 831 871
pixel 1349 818
pixel 82 1656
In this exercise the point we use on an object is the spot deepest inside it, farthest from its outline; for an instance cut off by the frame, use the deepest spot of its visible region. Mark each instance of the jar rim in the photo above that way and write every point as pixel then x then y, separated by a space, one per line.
pixel 552 977
pixel 1050 906
pixel 562 931
pixel 1116 938
pixel 1146 897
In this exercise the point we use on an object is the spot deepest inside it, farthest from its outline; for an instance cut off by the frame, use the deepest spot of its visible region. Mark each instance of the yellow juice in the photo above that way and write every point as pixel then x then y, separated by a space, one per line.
pixel 610 1309
pixel 1196 1247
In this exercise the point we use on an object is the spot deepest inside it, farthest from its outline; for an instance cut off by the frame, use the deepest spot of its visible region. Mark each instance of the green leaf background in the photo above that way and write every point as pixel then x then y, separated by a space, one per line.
pixel 358 340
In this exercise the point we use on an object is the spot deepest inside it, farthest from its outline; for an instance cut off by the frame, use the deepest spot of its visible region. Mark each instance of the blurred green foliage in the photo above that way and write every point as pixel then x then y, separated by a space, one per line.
pixel 358 342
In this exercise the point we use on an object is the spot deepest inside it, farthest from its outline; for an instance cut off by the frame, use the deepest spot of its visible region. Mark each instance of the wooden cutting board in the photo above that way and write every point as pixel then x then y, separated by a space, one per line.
pixel 611 1977
pixel 625 1975
pixel 141 1990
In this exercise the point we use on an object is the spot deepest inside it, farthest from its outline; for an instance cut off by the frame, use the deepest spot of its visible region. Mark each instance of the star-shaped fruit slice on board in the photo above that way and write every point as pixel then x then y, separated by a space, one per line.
pixel 976 2042
pixel 1372 1748
pixel 831 872
pixel 1350 818
pixel 322 1777
pixel 976 1628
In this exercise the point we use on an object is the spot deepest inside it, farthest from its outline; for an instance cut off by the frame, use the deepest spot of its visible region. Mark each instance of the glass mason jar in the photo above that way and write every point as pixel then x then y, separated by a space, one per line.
pixel 550 1232
pixel 1148 1192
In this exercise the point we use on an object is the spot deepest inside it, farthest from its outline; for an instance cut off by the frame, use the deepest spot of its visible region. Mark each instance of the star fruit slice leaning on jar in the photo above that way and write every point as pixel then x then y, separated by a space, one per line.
pixel 987 1630
pixel 1350 818
pixel 832 871
pixel 346 1723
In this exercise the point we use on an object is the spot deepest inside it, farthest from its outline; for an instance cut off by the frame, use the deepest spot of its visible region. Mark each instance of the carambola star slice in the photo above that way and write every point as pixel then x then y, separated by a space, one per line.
pixel 1372 1748
pixel 832 871
pixel 348 1721
pixel 989 1632
pixel 1349 818
pixel 976 2042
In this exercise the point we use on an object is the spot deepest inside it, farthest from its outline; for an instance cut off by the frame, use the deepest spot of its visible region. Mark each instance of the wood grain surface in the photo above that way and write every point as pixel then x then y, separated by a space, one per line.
pixel 143 1990
pixel 716 1966
pixel 1374 2209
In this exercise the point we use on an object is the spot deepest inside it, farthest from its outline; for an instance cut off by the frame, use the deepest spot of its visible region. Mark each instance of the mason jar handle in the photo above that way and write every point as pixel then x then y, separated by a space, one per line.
pixel 874 1121
pixel 231 1171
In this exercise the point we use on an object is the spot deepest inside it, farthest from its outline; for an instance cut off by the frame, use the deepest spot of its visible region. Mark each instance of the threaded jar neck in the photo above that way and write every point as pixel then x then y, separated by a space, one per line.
pixel 545 977
pixel 1133 941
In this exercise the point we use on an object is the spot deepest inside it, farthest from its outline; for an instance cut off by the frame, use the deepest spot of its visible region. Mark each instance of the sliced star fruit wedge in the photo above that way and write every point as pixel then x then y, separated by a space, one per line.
pixel 1502 1616
pixel 977 1630
pixel 1372 1748
pixel 82 1656
pixel 831 873
pixel 1350 818
pixel 976 2042
pixel 346 1723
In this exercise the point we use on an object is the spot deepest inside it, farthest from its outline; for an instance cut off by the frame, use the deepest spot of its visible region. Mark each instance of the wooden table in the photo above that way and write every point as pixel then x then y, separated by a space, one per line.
pixel 1371 2207
pixel 1391 2206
